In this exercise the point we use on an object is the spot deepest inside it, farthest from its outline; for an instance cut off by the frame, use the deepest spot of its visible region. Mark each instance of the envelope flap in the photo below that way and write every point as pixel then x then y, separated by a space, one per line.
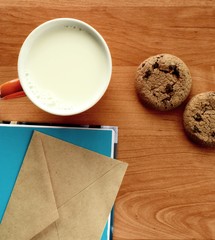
pixel 71 167
pixel 32 200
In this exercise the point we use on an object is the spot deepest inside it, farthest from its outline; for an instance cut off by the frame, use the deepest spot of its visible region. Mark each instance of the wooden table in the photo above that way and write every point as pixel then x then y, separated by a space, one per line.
pixel 169 189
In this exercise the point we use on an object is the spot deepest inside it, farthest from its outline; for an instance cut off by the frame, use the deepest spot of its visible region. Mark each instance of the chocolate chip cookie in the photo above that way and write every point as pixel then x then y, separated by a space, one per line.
pixel 199 119
pixel 163 82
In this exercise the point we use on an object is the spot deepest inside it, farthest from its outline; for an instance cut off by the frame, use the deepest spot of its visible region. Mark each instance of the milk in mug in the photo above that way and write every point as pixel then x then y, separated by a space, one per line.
pixel 65 68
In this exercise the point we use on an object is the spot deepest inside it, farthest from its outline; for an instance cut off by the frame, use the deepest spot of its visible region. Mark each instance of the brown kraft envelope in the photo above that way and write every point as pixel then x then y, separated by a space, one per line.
pixel 63 192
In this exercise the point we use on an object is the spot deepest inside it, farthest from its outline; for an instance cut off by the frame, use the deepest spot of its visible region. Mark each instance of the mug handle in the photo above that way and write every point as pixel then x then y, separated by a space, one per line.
pixel 11 89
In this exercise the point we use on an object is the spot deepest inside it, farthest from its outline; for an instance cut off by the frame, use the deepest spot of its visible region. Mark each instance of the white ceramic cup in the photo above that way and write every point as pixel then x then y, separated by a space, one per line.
pixel 64 66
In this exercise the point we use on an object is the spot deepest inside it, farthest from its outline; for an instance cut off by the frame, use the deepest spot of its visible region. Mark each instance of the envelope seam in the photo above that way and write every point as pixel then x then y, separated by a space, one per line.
pixel 48 171
pixel 66 202
pixel 57 230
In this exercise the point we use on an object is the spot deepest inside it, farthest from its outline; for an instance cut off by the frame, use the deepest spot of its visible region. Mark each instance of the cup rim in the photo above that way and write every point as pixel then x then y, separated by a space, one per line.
pixel 22 78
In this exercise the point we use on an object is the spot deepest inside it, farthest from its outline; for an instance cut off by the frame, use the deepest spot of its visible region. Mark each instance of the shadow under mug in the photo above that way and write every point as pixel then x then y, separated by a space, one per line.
pixel 64 67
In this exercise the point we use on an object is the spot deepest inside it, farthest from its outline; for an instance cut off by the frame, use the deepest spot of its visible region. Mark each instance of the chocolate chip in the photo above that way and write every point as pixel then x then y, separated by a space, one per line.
pixel 176 73
pixel 172 67
pixel 155 65
pixel 174 70
pixel 197 117
pixel 196 129
pixel 213 134
pixel 147 74
pixel 143 65
pixel 169 88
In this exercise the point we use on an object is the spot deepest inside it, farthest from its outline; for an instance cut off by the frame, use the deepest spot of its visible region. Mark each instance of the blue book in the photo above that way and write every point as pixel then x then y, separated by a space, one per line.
pixel 14 141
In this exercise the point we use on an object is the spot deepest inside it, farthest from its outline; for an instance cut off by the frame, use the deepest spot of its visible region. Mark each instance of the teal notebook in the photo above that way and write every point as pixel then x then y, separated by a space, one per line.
pixel 14 140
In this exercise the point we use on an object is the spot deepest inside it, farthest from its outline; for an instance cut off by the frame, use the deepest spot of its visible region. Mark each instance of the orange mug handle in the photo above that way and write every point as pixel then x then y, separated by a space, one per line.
pixel 11 89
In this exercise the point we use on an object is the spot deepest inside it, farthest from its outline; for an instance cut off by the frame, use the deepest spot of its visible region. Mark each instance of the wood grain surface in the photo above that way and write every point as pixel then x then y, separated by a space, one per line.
pixel 169 189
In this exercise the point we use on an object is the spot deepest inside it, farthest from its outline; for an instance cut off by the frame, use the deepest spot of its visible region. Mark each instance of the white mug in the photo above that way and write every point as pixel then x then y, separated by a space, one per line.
pixel 64 67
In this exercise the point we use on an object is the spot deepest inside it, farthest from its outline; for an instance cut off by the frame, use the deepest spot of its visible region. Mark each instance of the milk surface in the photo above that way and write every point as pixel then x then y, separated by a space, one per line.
pixel 65 67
